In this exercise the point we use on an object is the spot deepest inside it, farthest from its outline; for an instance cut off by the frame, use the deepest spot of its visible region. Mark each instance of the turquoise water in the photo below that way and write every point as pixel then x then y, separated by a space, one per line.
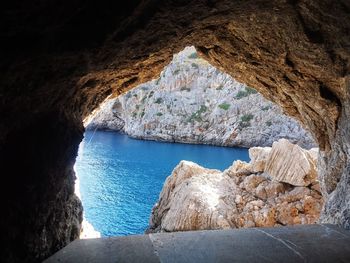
pixel 121 178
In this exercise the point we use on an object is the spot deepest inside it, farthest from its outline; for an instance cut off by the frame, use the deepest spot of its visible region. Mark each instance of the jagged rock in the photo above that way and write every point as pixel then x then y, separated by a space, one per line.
pixel 291 164
pixel 195 198
pixel 107 117
pixel 258 157
pixel 193 102
pixel 239 168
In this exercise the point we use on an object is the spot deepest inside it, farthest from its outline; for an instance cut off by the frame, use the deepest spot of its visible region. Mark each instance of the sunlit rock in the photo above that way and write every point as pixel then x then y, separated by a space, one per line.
pixel 194 197
pixel 291 164
pixel 258 157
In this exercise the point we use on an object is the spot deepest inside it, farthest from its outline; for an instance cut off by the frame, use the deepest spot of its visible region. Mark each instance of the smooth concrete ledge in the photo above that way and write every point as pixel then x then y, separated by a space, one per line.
pixel 307 243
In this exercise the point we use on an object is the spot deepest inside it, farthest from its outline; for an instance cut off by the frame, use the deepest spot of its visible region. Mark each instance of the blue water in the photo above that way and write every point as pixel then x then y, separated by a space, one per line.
pixel 121 178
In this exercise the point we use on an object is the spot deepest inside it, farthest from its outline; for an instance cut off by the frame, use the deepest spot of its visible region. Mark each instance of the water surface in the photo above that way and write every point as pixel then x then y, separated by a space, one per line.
pixel 121 178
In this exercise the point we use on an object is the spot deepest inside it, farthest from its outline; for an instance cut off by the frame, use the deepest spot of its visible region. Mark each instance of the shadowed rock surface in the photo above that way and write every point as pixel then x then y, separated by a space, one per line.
pixel 61 60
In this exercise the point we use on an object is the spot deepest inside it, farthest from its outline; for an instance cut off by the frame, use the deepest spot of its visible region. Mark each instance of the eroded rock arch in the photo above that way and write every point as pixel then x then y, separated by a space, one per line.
pixel 62 60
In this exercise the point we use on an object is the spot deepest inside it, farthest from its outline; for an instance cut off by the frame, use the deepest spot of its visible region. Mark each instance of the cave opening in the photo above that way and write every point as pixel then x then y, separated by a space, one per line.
pixel 121 178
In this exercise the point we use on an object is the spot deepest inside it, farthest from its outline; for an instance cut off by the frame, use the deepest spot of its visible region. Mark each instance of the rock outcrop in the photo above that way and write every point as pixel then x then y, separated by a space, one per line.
pixel 193 102
pixel 244 195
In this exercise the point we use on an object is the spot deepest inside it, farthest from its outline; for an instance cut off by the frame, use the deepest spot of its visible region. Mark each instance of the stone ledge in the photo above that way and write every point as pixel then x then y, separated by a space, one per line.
pixel 304 243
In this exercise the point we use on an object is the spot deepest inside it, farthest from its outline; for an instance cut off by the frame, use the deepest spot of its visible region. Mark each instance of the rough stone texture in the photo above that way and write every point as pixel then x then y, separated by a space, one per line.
pixel 291 164
pixel 325 243
pixel 193 102
pixel 109 116
pixel 196 198
pixel 59 61
pixel 258 157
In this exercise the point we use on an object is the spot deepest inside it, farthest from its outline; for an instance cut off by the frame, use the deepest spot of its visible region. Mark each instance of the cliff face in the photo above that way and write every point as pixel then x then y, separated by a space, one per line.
pixel 274 189
pixel 193 102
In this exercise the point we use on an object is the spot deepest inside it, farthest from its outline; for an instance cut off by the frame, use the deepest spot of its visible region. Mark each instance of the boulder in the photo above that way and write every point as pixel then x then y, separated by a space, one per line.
pixel 291 164
pixel 193 198
pixel 258 157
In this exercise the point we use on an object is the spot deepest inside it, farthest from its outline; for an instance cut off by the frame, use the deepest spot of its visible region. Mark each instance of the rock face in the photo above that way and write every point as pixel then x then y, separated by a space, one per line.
pixel 298 166
pixel 110 116
pixel 193 102
pixel 57 69
pixel 195 198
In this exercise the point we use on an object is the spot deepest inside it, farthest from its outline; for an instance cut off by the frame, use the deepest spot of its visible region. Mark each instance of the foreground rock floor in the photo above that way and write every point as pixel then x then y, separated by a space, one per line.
pixel 304 243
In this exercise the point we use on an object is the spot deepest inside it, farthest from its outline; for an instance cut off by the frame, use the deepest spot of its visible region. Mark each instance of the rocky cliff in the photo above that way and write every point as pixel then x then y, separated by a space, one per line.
pixel 193 102
pixel 274 189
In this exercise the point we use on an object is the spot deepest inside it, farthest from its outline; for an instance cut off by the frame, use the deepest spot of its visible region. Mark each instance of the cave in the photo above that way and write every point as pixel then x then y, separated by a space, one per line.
pixel 59 61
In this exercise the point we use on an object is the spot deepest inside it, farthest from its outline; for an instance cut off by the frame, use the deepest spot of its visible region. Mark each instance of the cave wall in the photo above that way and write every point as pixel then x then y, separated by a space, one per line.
pixel 61 60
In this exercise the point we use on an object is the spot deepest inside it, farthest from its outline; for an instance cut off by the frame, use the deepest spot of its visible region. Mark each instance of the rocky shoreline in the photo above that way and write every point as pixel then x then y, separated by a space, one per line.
pixel 276 188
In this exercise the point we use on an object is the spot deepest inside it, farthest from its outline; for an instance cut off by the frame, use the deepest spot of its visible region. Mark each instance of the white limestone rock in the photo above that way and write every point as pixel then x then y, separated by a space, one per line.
pixel 194 197
pixel 258 157
pixel 291 164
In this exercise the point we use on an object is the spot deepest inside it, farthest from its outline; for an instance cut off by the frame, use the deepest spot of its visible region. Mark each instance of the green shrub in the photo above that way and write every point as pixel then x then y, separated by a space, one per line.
pixel 159 114
pixel 243 124
pixel 197 116
pixel 265 108
pixel 244 93
pixel 194 55
pixel 194 117
pixel 202 109
pixel 250 90
pixel 142 114
pixel 269 123
pixel 144 88
pixel 150 94
pixel 247 117
pixel 194 65
pixel 185 88
pixel 245 120
pixel 177 71
pixel 143 99
pixel 134 114
pixel 220 87
pixel 159 100
pixel 135 95
pixel 224 106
